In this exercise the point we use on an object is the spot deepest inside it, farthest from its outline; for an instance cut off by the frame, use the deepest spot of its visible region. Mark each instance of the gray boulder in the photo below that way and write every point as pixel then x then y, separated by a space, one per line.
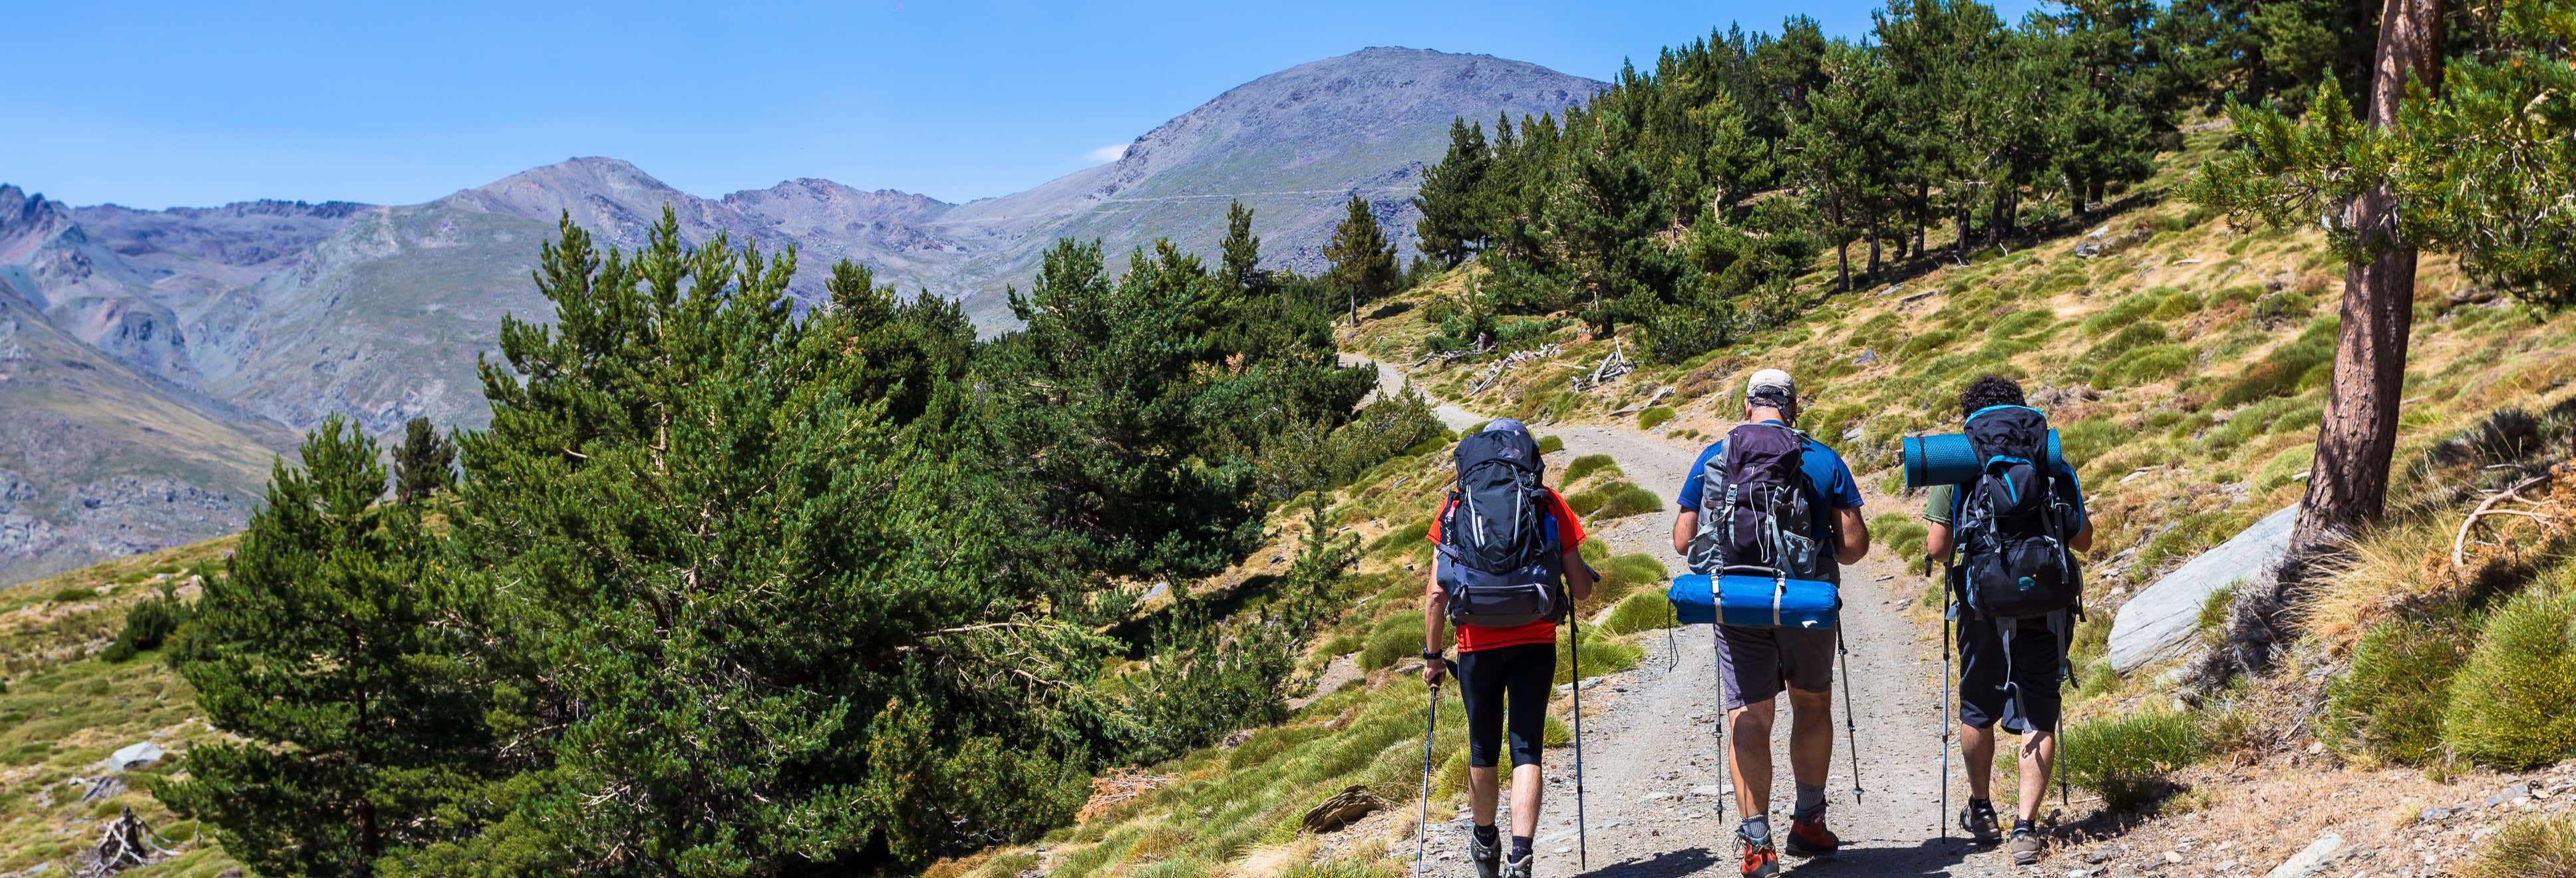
pixel 2159 623
pixel 138 755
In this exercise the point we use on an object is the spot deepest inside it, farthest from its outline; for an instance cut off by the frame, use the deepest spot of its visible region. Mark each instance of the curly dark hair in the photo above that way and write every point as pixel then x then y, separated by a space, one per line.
pixel 1992 390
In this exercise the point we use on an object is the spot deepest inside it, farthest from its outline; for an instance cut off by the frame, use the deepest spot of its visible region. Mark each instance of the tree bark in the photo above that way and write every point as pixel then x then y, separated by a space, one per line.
pixel 1922 212
pixel 1870 212
pixel 2348 482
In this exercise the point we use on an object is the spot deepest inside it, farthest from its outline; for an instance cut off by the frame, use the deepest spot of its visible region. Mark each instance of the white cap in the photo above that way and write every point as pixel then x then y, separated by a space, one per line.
pixel 1771 382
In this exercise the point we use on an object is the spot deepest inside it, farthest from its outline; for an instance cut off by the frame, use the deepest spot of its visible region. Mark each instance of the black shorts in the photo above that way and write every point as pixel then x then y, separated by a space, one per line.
pixel 1513 681
pixel 2034 672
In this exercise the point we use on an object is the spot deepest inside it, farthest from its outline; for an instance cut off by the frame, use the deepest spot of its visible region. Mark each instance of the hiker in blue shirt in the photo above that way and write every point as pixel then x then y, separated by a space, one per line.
pixel 1755 664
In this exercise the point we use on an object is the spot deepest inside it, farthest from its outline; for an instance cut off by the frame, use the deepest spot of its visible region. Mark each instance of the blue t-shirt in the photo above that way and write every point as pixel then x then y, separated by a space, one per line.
pixel 1825 469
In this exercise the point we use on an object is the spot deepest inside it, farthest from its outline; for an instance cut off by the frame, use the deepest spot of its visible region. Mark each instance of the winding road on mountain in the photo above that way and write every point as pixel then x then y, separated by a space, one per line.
pixel 1652 766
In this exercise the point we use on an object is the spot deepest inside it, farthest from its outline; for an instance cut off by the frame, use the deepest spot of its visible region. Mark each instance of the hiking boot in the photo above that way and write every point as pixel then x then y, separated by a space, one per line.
pixel 1487 857
pixel 1810 839
pixel 1760 860
pixel 2025 846
pixel 1519 867
pixel 1978 820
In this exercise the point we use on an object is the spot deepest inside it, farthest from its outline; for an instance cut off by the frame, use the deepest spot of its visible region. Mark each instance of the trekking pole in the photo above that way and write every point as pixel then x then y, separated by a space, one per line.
pixel 1430 726
pixel 1582 846
pixel 1943 818
pixel 1851 721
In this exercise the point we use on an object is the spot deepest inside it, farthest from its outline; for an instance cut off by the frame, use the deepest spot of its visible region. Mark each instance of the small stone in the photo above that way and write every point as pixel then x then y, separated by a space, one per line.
pixel 1708 790
pixel 2173 856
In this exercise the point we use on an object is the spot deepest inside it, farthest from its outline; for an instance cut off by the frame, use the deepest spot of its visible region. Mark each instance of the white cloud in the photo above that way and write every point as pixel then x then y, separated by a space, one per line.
pixel 1106 154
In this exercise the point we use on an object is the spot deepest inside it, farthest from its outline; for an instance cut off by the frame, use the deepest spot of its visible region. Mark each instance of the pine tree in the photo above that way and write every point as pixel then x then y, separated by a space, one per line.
pixel 1452 225
pixel 424 462
pixel 2340 167
pixel 745 590
pixel 1363 262
pixel 332 650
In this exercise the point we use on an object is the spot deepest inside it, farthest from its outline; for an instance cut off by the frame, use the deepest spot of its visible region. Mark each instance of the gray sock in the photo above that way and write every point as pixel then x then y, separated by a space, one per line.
pixel 1755 829
pixel 1811 802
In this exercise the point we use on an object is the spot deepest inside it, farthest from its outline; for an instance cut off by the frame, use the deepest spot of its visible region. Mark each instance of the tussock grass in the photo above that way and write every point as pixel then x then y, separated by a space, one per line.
pixel 2129 760
pixel 1614 500
pixel 2530 847
pixel 2391 700
pixel 1645 611
pixel 2513 705
pixel 1587 465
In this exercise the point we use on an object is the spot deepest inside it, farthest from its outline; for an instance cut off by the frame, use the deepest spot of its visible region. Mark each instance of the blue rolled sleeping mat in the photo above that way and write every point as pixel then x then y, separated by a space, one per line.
pixel 1761 600
pixel 1948 460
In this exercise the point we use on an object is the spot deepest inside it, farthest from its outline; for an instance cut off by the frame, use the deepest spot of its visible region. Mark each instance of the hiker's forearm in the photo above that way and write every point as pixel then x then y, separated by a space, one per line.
pixel 1684 525
pixel 1435 604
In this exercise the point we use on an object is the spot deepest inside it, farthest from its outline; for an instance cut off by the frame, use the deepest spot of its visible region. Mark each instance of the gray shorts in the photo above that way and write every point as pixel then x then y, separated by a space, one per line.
pixel 1754 663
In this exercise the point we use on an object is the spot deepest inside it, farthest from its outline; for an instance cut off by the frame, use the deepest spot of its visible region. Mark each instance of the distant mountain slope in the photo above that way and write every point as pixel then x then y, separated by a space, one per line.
pixel 99 460
pixel 1293 146
pixel 207 330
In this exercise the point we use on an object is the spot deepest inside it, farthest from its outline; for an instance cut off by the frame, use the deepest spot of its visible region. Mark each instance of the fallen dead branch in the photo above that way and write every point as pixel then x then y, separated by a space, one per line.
pixel 2460 542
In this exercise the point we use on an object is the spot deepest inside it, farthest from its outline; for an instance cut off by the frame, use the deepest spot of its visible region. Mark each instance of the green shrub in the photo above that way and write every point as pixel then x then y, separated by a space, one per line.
pixel 2280 372
pixel 1625 499
pixel 1901 532
pixel 1393 640
pixel 1643 611
pixel 1589 464
pixel 2122 313
pixel 1926 343
pixel 1654 416
pixel 1402 537
pixel 1344 643
pixel 2513 705
pixel 2128 760
pixel 2020 322
pixel 2176 304
pixel 1600 655
pixel 1627 573
pixel 2530 847
pixel 73 595
pixel 2284 306
pixel 1551 444
pixel 2137 335
pixel 149 624
pixel 2086 441
pixel 2145 365
pixel 2390 701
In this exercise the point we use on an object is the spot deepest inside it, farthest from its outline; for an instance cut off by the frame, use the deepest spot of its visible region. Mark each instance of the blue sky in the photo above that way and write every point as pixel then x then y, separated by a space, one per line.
pixel 155 104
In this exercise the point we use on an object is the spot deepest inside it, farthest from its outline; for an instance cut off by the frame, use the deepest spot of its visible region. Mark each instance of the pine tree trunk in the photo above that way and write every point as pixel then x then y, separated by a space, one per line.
pixel 1871 214
pixel 1922 213
pixel 2348 483
pixel 1959 215
pixel 1842 250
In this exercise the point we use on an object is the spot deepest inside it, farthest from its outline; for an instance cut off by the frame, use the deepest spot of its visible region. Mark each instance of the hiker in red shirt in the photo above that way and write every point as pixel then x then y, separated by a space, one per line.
pixel 1509 568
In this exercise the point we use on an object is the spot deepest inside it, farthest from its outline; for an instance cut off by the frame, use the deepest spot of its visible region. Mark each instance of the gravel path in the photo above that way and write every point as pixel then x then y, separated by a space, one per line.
pixel 1653 775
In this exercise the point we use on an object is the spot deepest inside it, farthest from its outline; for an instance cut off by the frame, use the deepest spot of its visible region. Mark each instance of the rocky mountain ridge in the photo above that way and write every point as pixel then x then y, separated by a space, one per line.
pixel 264 317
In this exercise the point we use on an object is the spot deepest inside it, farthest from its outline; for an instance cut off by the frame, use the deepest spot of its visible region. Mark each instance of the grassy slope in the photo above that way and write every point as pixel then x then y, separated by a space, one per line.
pixel 64 711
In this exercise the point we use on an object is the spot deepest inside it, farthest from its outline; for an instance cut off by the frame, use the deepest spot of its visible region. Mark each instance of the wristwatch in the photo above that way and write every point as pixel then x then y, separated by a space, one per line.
pixel 1430 655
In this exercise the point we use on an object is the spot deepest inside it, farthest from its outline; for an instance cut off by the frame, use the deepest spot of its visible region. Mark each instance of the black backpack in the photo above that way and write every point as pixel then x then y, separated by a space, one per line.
pixel 1501 561
pixel 2012 523
pixel 1755 511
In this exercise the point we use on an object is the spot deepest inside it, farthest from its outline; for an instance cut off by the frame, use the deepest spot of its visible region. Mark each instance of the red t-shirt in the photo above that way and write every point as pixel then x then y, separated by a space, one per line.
pixel 1569 531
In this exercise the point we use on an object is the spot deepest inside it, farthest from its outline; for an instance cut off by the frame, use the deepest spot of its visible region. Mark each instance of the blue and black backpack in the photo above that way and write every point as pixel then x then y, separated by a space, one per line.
pixel 1500 558
pixel 2012 523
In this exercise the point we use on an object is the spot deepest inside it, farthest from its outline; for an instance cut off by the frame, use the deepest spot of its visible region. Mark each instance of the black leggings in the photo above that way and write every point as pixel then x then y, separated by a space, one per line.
pixel 1514 679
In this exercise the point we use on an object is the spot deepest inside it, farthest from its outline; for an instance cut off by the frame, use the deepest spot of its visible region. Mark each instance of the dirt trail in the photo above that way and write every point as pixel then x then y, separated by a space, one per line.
pixel 1652 769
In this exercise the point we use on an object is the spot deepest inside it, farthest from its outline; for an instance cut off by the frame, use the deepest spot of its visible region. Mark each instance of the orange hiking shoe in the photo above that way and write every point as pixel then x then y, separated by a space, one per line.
pixel 1760 860
pixel 1810 839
